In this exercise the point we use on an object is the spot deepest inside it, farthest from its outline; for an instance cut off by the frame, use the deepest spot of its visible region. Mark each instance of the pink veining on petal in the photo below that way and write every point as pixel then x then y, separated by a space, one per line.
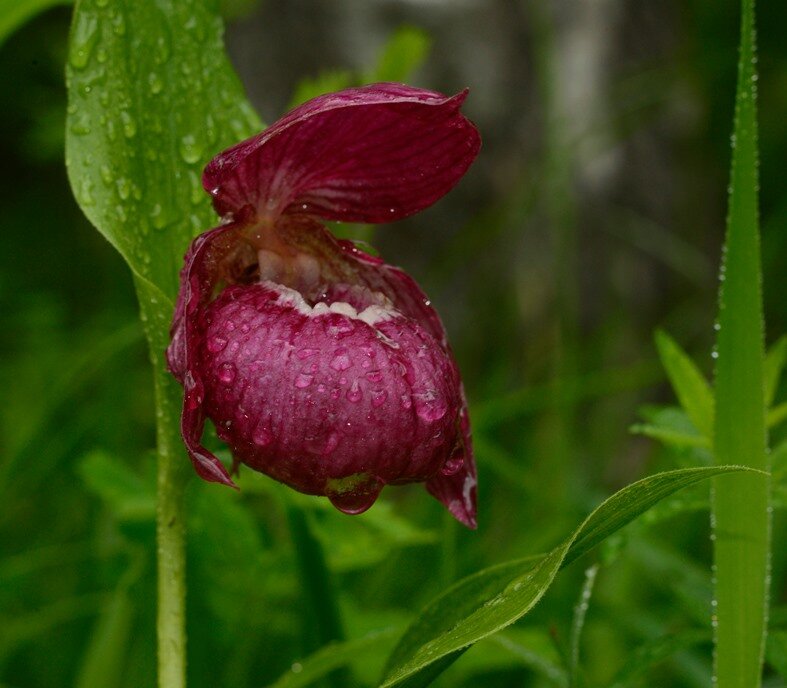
pixel 371 154
pixel 296 392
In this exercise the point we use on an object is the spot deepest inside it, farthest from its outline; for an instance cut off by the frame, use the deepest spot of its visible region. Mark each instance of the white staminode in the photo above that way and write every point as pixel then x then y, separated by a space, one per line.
pixel 371 315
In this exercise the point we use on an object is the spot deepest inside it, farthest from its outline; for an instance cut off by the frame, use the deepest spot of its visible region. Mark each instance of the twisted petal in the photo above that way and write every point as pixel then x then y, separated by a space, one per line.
pixel 371 154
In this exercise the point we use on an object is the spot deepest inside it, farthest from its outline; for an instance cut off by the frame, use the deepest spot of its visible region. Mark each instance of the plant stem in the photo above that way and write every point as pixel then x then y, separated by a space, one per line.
pixel 741 518
pixel 170 511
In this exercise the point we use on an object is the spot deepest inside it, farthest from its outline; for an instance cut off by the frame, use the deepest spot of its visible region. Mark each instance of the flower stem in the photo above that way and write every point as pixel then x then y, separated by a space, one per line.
pixel 170 511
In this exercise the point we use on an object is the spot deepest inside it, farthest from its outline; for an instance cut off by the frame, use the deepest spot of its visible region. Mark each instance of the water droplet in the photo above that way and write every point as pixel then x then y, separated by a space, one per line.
pixel 229 325
pixel 354 394
pixel 190 149
pixel 406 401
pixel 358 500
pixel 85 193
pixel 374 375
pixel 341 360
pixel 261 436
pixel 378 397
pixel 453 464
pixel 119 25
pixel 129 125
pixel 306 353
pixel 154 83
pixel 106 174
pixel 430 406
pixel 216 344
pixel 124 188
pixel 227 373
pixel 83 38
pixel 331 443
pixel 161 53
pixel 81 124
pixel 303 381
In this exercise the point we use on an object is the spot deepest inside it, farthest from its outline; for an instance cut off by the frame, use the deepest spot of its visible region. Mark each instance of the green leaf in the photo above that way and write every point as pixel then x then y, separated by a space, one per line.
pixel 669 436
pixel 578 623
pixel 494 598
pixel 333 80
pixel 15 13
pixel 776 415
pixel 652 653
pixel 776 652
pixel 741 508
pixel 404 53
pixel 151 98
pixel 690 385
pixel 773 367
pixel 334 656
pixel 129 497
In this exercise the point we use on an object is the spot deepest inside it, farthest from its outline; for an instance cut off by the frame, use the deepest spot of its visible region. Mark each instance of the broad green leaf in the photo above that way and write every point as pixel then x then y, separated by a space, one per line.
pixel 334 656
pixel 404 53
pixel 690 385
pixel 494 598
pixel 741 508
pixel 151 98
pixel 15 13
pixel 774 365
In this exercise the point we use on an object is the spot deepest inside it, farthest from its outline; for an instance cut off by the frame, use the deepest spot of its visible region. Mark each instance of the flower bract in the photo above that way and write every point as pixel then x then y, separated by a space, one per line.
pixel 321 365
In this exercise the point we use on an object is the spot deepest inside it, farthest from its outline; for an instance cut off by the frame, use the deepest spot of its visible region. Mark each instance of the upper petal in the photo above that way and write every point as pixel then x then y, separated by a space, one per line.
pixel 371 154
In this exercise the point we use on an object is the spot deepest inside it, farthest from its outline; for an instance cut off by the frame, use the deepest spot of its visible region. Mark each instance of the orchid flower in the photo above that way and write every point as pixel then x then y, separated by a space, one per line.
pixel 320 365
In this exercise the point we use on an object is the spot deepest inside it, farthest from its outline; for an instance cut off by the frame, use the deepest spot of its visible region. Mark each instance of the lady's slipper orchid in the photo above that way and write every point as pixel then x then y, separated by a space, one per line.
pixel 320 365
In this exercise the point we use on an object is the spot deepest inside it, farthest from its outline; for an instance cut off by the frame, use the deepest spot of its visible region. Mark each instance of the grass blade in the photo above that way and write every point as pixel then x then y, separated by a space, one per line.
pixel 740 507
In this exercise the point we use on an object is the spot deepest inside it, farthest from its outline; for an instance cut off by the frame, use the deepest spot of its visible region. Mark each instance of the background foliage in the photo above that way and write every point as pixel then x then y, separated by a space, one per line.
pixel 594 216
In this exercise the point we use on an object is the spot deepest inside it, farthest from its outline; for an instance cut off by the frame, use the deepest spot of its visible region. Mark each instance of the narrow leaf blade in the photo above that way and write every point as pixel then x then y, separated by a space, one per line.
pixel 493 598
pixel 690 385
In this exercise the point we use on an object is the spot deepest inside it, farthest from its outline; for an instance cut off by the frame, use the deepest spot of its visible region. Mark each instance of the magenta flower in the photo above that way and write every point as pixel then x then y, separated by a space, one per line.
pixel 320 365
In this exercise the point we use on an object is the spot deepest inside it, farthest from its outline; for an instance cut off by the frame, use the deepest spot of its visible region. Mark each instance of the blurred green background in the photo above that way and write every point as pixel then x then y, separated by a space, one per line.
pixel 594 215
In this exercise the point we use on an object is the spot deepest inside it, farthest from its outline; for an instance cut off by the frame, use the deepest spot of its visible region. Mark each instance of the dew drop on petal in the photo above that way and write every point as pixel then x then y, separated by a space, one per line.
pixel 303 380
pixel 430 406
pixel 331 443
pixel 341 360
pixel 358 500
pixel 374 376
pixel 306 353
pixel 453 464
pixel 354 394
pixel 216 344
pixel 227 373
pixel 378 397
pixel 261 436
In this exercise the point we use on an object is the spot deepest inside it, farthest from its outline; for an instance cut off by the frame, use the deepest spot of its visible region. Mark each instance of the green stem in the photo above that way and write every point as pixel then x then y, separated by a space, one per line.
pixel 170 511
pixel 741 518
